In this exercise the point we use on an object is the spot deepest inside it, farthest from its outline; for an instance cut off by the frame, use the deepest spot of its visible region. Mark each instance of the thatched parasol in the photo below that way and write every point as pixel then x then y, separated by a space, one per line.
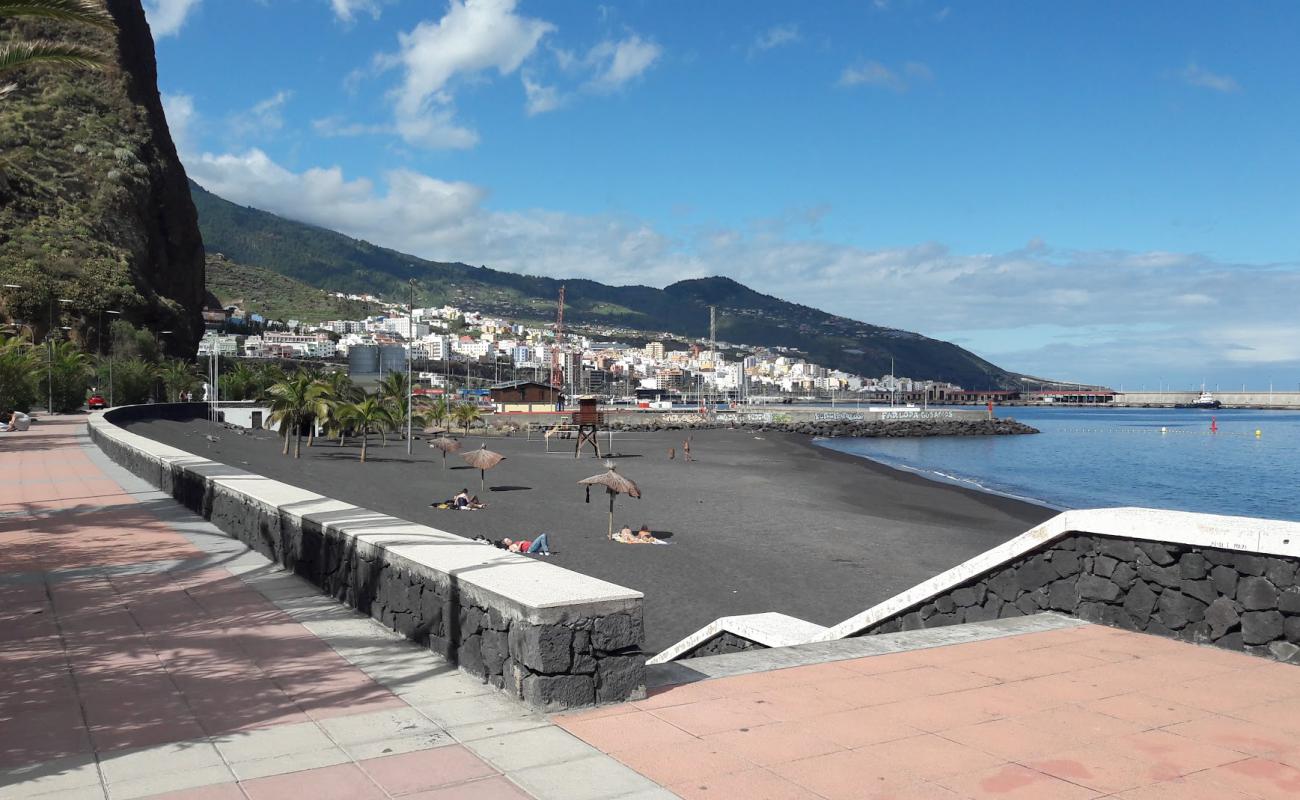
pixel 447 445
pixel 614 484
pixel 482 460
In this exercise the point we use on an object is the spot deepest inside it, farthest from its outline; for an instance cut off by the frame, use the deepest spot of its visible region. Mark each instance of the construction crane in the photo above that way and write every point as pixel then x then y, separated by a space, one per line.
pixel 557 371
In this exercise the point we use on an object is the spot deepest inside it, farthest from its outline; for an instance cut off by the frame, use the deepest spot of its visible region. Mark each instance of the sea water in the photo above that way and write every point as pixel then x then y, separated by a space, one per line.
pixel 1095 458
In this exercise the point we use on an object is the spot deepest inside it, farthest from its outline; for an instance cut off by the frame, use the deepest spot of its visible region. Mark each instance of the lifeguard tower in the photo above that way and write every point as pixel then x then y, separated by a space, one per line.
pixel 588 420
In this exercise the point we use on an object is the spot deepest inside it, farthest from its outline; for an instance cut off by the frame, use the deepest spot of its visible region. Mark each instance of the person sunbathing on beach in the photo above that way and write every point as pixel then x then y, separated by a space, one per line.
pixel 461 500
pixel 643 536
pixel 540 545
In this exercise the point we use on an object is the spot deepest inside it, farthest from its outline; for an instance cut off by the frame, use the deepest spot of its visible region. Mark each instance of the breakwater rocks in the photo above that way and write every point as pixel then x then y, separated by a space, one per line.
pixel 847 428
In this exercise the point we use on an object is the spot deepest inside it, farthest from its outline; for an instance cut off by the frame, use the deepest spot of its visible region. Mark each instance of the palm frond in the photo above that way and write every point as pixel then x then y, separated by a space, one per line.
pixel 90 12
pixel 24 53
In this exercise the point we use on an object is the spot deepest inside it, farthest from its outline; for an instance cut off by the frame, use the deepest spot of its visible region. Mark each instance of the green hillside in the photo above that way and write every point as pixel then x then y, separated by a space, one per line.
pixel 330 260
pixel 258 290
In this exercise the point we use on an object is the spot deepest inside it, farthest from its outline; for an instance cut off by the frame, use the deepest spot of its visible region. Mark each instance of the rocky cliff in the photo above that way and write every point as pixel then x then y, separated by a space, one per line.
pixel 94 203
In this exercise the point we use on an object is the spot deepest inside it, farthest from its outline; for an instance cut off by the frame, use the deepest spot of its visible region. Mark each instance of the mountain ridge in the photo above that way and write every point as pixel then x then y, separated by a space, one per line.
pixel 331 260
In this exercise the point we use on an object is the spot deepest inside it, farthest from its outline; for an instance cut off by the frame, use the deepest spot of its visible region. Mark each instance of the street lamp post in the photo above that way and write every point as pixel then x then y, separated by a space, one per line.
pixel 110 353
pixel 410 352
pixel 49 358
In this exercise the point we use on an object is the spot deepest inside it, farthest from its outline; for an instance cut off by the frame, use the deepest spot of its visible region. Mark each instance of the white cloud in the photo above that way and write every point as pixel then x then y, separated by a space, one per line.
pixel 874 73
pixel 541 98
pixel 182 119
pixel 473 37
pixel 1195 75
pixel 616 63
pixel 413 205
pixel 1095 316
pixel 167 16
pixel 337 126
pixel 263 119
pixel 347 10
pixel 776 36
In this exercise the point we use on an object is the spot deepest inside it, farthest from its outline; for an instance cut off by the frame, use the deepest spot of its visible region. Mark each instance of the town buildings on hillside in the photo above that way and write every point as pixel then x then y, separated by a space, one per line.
pixel 588 367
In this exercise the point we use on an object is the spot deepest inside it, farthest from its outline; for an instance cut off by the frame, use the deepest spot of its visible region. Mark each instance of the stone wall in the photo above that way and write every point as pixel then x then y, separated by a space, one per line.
pixel 1236 600
pixel 724 642
pixel 552 655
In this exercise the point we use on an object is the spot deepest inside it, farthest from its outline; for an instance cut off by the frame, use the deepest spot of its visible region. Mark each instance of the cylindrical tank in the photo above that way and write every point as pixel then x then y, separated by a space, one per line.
pixel 392 358
pixel 363 359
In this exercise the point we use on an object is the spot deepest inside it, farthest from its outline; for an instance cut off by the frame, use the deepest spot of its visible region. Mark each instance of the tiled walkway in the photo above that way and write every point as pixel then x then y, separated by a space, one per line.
pixel 144 654
pixel 1074 713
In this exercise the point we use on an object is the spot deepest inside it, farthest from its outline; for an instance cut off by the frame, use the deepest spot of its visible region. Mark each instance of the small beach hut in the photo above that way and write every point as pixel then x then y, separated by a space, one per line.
pixel 447 445
pixel 615 484
pixel 482 460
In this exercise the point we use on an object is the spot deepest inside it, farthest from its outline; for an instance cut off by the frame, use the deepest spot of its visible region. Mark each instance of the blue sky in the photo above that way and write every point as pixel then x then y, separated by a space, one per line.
pixel 1103 192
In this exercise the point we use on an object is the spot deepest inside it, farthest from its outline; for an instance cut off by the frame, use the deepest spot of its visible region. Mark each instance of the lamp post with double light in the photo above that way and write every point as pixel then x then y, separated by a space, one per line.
pixel 49 356
pixel 102 312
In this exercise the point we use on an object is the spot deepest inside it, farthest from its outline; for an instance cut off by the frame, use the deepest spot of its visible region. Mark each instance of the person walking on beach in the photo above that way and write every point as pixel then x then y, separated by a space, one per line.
pixel 686 450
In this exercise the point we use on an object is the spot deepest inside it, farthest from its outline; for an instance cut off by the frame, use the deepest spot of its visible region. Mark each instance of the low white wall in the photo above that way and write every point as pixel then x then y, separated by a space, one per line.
pixel 1240 534
pixel 553 637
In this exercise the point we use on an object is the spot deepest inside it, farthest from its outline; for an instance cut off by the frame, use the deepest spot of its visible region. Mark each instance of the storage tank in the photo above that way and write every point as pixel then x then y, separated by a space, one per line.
pixel 363 359
pixel 392 358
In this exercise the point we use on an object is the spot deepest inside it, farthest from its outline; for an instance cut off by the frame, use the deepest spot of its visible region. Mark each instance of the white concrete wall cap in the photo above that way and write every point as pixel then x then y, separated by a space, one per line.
pixel 527 582
pixel 769 628
pixel 1245 534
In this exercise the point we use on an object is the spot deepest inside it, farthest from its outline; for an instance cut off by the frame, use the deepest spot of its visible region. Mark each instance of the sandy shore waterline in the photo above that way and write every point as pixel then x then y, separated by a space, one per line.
pixel 759 522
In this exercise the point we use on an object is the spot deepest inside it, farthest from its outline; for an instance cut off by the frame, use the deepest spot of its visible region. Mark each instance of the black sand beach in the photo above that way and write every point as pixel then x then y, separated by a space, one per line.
pixel 759 522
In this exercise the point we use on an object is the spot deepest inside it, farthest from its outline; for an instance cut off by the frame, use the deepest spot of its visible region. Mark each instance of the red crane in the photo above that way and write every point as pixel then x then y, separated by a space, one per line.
pixel 557 371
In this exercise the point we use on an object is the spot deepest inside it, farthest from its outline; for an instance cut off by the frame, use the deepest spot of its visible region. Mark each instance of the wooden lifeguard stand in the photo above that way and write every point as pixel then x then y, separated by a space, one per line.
pixel 589 419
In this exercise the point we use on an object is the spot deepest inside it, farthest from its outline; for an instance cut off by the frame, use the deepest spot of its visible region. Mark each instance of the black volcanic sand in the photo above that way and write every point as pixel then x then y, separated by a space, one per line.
pixel 759 522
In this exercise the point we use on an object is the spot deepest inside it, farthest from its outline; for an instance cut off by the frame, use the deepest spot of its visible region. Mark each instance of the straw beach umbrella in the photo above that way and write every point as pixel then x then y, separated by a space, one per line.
pixel 447 445
pixel 482 460
pixel 615 485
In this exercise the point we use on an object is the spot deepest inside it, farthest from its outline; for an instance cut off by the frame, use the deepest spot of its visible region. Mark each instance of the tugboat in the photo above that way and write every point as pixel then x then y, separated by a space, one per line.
pixel 1206 400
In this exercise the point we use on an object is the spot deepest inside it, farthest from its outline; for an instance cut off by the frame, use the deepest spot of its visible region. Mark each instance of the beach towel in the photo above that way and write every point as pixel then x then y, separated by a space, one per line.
pixel 628 538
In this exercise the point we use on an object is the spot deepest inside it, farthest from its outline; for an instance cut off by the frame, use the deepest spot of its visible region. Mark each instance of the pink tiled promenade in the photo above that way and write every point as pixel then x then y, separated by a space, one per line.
pixel 117 680
pixel 142 654
pixel 1081 712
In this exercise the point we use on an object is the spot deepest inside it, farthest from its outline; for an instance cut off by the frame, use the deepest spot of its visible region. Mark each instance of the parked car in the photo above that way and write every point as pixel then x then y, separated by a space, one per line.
pixel 96 402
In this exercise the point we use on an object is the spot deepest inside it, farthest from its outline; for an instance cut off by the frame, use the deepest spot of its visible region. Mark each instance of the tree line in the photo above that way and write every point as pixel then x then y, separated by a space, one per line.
pixel 329 401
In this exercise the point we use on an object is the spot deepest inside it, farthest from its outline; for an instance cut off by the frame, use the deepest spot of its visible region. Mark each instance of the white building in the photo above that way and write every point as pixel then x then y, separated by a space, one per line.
pixel 406 327
pixel 227 346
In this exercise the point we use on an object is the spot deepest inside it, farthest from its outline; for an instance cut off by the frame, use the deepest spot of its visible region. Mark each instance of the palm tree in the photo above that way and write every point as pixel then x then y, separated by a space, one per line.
pixel 69 368
pixel 365 415
pixel 438 411
pixel 466 414
pixel 26 52
pixel 19 366
pixel 266 376
pixel 178 376
pixel 291 403
pixel 133 381
pixel 238 382
pixel 329 394
pixel 394 392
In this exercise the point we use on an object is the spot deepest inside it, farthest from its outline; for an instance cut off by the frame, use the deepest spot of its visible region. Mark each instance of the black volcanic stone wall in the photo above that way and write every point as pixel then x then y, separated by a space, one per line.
pixel 725 642
pixel 575 661
pixel 1235 600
